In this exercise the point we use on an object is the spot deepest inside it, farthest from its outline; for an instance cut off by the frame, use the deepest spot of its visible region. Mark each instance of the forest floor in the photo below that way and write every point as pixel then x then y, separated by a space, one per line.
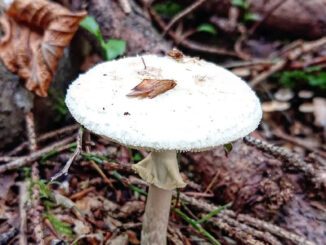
pixel 257 193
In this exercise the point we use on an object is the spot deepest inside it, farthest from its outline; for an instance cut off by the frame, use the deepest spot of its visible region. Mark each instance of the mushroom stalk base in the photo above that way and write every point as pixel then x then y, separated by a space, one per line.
pixel 161 169
pixel 156 217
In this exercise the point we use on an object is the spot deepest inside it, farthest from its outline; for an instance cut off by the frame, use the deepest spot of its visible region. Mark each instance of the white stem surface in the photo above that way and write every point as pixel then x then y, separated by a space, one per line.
pixel 156 217
pixel 161 171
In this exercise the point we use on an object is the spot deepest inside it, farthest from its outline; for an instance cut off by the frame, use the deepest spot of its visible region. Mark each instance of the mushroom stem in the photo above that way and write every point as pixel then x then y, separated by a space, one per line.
pixel 161 171
pixel 156 217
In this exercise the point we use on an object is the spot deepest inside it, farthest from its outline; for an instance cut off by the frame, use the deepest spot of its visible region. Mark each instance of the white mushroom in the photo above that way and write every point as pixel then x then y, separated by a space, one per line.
pixel 306 107
pixel 284 94
pixel 305 94
pixel 275 105
pixel 195 115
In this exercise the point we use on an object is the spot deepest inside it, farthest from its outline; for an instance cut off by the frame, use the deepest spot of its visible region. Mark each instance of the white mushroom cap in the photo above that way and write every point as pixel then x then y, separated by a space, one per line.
pixel 208 107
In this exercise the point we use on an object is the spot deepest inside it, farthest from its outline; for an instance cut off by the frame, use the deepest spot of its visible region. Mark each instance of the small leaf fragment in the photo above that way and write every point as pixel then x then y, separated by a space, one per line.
pixel 206 27
pixel 114 48
pixel 90 24
pixel 152 87
pixel 228 148
pixel 60 226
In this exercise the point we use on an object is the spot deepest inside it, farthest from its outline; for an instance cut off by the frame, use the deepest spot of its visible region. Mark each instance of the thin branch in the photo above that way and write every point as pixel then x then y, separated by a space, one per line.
pixel 246 34
pixel 29 159
pixel 235 232
pixel 262 235
pixel 7 158
pixel 190 44
pixel 273 229
pixel 292 159
pixel 65 169
pixel 266 16
pixel 300 142
pixel 5 237
pixel 196 226
pixel 259 224
pixel 44 137
pixel 94 165
pixel 35 211
pixel 294 54
pixel 125 5
pixel 182 14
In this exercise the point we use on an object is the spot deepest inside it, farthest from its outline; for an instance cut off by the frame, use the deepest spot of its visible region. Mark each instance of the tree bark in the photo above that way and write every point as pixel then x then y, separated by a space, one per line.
pixel 134 27
pixel 300 18
pixel 14 100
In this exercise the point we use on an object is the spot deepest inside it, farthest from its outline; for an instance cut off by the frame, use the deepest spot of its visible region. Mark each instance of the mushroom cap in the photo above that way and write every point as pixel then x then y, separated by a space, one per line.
pixel 208 107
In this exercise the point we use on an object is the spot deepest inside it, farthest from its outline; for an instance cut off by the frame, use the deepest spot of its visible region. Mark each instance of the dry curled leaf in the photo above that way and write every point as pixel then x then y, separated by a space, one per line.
pixel 176 54
pixel 152 87
pixel 35 35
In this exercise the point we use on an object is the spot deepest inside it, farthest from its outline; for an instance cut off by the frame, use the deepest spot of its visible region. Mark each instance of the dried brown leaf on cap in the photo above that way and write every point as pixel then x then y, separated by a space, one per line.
pixel 35 35
pixel 152 87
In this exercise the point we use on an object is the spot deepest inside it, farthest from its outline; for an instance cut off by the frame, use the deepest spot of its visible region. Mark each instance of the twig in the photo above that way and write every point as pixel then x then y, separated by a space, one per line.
pixel 206 48
pixel 265 236
pixel 93 235
pixel 246 34
pixel 94 165
pixel 7 158
pixel 125 5
pixel 175 235
pixel 266 16
pixel 264 75
pixel 249 63
pixel 5 237
pixel 198 194
pixel 298 142
pixel 65 169
pixel 273 229
pixel 213 182
pixel 35 211
pixel 197 226
pixel 82 193
pixel 190 44
pixel 293 159
pixel 31 134
pixel 182 14
pixel 27 160
pixel 292 55
pixel 238 234
pixel 259 224
pixel 22 213
pixel 45 137
pixel 51 228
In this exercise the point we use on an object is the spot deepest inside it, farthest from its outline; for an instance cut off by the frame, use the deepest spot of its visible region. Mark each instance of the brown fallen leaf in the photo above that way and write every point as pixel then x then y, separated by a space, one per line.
pixel 152 87
pixel 35 35
pixel 176 54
